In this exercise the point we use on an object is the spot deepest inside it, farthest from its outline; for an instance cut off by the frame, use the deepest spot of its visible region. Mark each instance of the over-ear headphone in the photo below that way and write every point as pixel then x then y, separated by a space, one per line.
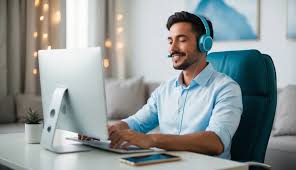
pixel 205 41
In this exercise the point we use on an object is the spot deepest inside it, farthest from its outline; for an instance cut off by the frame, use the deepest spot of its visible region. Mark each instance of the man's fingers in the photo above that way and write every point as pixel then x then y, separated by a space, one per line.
pixel 126 145
pixel 115 139
pixel 111 130
pixel 118 143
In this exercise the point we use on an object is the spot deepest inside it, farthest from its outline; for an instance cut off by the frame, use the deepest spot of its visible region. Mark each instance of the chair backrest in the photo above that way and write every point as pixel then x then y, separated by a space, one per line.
pixel 255 73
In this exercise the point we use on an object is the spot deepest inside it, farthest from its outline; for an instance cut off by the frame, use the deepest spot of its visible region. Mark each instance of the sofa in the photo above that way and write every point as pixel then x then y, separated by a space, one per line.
pixel 125 97
pixel 281 149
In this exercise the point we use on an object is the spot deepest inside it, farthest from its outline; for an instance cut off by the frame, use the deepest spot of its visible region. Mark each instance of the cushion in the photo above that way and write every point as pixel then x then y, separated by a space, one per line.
pixel 7 113
pixel 24 102
pixel 285 119
pixel 124 97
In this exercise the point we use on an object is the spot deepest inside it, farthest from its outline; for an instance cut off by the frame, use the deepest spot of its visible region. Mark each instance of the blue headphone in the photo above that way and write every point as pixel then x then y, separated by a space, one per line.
pixel 205 41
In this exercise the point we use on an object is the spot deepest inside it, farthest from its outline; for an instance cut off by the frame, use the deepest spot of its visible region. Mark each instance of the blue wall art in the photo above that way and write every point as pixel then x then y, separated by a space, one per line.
pixel 232 19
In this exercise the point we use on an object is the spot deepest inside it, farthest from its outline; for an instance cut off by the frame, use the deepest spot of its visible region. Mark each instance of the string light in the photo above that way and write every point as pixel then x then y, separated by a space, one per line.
pixel 41 18
pixel 106 63
pixel 119 45
pixel 37 2
pixel 45 35
pixel 45 7
pixel 35 54
pixel 35 71
pixel 119 17
pixel 57 17
pixel 35 34
pixel 119 29
pixel 108 44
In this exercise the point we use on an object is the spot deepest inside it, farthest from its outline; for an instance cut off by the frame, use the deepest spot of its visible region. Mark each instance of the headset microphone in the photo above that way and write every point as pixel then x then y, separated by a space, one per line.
pixel 170 56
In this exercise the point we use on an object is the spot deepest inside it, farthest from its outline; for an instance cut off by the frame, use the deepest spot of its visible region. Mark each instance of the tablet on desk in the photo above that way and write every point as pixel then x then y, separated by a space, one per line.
pixel 149 159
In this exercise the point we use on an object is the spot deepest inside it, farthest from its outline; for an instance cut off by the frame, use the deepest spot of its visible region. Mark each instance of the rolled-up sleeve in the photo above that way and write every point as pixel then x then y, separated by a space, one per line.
pixel 146 118
pixel 226 113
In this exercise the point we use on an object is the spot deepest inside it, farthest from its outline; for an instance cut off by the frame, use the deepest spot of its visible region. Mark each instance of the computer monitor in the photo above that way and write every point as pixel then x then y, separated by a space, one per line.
pixel 73 95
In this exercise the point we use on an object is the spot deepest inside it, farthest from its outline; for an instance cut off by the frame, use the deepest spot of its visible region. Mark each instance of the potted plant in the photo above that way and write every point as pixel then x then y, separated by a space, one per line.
pixel 33 127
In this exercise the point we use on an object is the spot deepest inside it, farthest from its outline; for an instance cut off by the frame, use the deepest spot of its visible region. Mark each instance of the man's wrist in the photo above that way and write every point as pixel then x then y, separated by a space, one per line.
pixel 153 140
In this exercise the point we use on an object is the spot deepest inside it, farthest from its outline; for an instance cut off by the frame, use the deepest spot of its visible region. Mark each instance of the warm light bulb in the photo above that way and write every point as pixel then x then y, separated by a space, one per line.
pixel 119 29
pixel 35 54
pixel 108 44
pixel 119 17
pixel 35 71
pixel 58 17
pixel 45 35
pixel 37 2
pixel 41 18
pixel 35 34
pixel 119 45
pixel 49 47
pixel 45 7
pixel 106 63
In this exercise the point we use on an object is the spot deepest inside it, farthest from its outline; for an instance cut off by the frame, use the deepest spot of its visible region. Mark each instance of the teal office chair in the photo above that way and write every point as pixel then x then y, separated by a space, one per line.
pixel 255 73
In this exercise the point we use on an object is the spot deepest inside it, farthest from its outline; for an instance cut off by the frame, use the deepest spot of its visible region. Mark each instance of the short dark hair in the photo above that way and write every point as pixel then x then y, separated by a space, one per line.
pixel 196 23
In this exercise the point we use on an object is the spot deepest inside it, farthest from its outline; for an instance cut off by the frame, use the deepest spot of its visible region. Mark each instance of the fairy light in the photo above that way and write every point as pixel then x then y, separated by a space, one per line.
pixel 41 18
pixel 106 63
pixel 45 35
pixel 119 29
pixel 45 7
pixel 35 34
pixel 37 2
pixel 35 54
pixel 57 17
pixel 119 45
pixel 119 17
pixel 35 71
pixel 108 44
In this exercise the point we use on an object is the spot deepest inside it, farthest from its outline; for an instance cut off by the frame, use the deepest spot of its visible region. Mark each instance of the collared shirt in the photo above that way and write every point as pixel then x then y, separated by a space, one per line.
pixel 211 102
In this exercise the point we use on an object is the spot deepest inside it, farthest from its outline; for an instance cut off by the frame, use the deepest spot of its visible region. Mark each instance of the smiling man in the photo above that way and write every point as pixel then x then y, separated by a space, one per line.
pixel 198 110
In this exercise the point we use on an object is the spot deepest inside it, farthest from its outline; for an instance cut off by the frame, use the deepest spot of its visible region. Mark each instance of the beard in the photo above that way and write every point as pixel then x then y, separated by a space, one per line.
pixel 183 66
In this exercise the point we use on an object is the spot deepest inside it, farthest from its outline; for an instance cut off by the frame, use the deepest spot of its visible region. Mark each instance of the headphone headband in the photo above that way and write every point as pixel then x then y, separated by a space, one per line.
pixel 205 23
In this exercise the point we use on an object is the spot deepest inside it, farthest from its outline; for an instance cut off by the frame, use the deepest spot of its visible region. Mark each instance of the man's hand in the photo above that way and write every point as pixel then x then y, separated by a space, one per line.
pixel 125 138
pixel 118 126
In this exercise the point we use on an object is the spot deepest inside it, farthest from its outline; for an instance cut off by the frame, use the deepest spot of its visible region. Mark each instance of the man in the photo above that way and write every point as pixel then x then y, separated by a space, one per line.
pixel 197 111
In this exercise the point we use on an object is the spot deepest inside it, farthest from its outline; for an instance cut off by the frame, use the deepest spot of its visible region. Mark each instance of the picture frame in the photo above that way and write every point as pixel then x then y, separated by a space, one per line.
pixel 231 19
pixel 291 22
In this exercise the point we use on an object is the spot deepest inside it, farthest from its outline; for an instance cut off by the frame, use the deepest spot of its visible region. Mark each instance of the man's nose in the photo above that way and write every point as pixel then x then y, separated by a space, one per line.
pixel 173 47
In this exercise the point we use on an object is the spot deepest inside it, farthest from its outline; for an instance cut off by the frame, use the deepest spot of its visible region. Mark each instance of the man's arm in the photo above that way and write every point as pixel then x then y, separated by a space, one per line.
pixel 200 142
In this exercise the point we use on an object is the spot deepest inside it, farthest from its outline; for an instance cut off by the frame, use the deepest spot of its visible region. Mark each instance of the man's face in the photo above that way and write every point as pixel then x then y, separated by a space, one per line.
pixel 182 45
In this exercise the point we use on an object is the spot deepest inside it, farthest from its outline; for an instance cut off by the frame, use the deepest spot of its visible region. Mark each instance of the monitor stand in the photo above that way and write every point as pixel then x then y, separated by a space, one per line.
pixel 49 129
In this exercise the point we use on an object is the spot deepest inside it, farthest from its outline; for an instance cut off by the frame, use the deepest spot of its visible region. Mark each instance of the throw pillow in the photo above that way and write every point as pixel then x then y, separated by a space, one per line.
pixel 285 119
pixel 124 97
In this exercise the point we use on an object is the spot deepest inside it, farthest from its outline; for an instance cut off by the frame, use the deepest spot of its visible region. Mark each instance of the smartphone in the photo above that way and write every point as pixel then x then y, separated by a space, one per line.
pixel 149 159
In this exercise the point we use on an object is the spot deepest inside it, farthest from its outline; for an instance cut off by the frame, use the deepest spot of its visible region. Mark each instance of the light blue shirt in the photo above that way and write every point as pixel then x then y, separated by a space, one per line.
pixel 211 102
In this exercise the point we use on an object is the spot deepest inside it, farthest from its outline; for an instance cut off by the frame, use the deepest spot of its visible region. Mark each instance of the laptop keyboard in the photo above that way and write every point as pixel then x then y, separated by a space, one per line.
pixel 105 145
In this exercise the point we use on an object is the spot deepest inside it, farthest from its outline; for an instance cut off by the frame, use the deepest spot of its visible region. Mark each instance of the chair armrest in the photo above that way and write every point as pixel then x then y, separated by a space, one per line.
pixel 257 164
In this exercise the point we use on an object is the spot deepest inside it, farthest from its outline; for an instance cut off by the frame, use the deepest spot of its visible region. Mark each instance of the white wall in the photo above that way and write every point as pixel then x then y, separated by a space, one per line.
pixel 147 39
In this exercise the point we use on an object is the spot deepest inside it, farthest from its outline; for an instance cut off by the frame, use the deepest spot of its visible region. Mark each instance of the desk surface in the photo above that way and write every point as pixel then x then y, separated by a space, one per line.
pixel 16 154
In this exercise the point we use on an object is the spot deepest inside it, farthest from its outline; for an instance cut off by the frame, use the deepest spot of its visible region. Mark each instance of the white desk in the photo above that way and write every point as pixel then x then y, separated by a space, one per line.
pixel 16 154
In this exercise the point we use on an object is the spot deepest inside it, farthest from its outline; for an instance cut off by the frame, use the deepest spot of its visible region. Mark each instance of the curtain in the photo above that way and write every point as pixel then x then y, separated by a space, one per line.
pixel 27 26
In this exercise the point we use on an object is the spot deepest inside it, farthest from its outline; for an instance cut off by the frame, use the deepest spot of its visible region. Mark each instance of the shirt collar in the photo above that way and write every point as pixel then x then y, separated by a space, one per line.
pixel 201 79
